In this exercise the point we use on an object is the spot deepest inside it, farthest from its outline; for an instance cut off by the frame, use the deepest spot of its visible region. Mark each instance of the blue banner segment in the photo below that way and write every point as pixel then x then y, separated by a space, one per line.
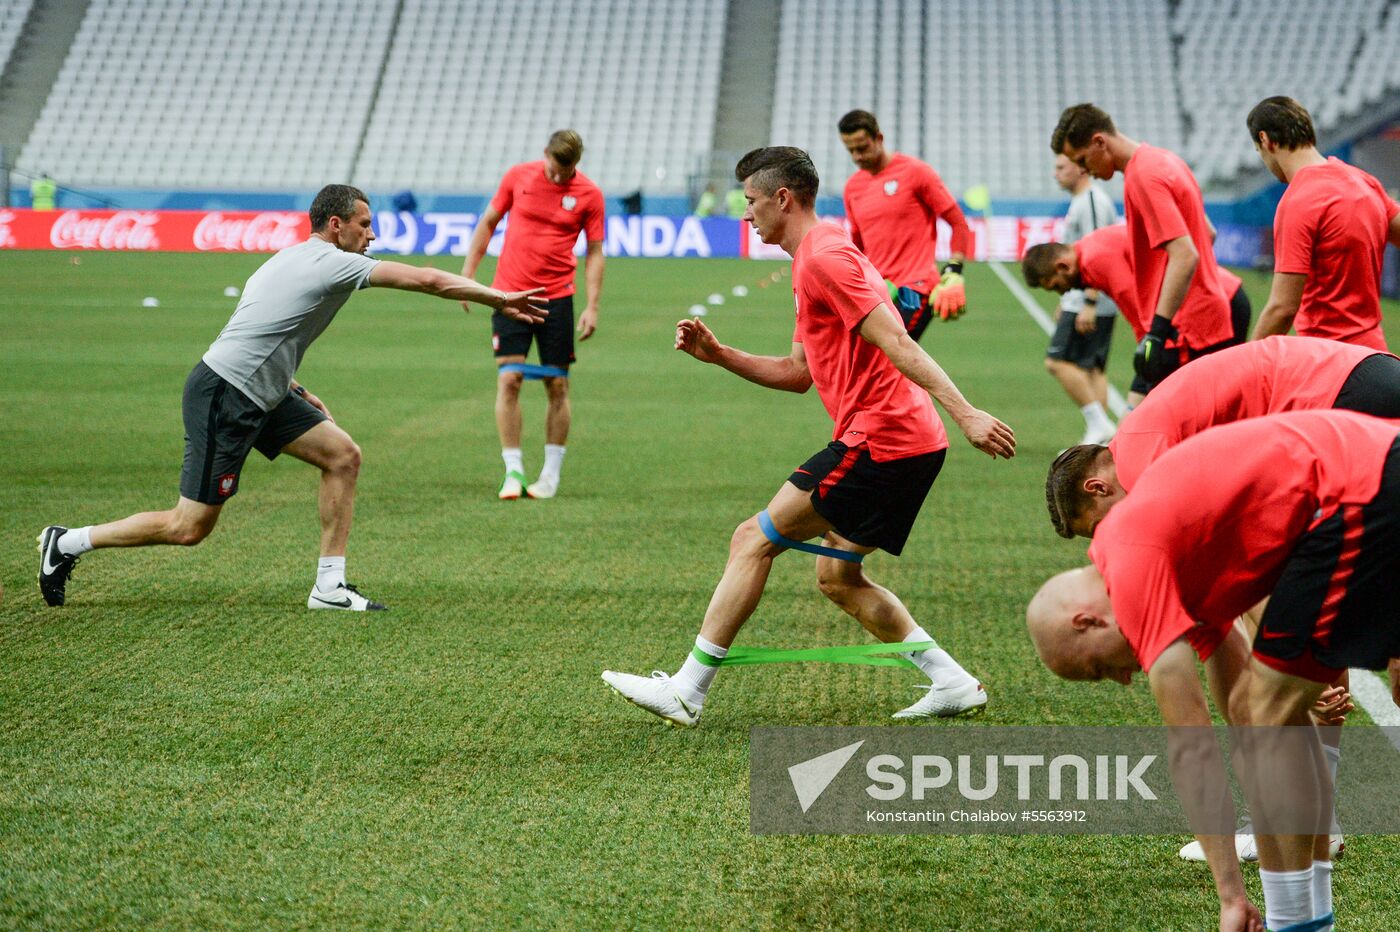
pixel 435 233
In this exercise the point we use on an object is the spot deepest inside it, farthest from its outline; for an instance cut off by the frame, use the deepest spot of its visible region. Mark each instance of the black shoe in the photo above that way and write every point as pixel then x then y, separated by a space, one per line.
pixel 54 565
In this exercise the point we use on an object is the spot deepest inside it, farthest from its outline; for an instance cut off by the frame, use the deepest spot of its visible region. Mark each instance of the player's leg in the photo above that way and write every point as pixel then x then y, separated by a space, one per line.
pixel 1065 359
pixel 220 426
pixel 510 341
pixel 556 343
pixel 680 698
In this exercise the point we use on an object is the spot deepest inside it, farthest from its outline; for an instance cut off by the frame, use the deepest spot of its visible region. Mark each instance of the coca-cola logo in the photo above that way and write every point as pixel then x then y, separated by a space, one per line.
pixel 7 239
pixel 123 229
pixel 264 232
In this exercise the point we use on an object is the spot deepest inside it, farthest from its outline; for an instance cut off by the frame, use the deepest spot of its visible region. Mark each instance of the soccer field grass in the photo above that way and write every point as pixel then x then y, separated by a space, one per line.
pixel 184 745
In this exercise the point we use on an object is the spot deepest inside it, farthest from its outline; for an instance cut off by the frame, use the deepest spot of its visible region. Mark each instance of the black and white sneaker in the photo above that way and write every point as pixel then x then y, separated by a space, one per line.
pixel 344 597
pixel 54 565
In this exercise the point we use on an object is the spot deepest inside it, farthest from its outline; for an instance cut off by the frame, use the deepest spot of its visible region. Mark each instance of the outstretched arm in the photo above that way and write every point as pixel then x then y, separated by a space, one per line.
pixel 883 328
pixel 785 373
pixel 481 238
pixel 525 306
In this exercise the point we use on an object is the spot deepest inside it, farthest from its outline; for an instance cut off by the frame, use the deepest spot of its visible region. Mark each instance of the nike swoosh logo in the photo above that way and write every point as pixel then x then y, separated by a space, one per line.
pixel 48 567
pixel 343 603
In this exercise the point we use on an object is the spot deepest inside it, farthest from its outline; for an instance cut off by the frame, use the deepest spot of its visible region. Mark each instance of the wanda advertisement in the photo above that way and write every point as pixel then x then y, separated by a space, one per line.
pixel 998 238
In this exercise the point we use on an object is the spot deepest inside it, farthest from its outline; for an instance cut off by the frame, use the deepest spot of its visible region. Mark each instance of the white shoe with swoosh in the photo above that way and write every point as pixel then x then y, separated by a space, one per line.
pixel 655 694
pixel 345 597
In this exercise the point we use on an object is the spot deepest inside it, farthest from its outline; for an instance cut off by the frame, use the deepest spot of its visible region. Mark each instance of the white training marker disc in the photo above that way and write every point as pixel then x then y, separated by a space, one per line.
pixel 231 292
pixel 716 299
pixel 697 310
pixel 150 302
pixel 740 291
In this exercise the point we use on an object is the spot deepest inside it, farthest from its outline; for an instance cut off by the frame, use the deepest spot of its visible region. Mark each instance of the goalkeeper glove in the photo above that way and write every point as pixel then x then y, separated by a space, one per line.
pixel 1153 360
pixel 949 298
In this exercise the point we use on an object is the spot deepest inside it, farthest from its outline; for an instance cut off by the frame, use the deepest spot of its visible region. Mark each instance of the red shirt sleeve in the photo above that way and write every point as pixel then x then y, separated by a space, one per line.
pixel 1161 217
pixel 836 281
pixel 1293 239
pixel 944 205
pixel 1391 208
pixel 593 230
pixel 505 194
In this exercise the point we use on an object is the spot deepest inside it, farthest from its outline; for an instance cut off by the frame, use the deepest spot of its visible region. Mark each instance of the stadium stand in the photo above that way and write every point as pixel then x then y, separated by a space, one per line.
pixel 444 94
pixel 12 16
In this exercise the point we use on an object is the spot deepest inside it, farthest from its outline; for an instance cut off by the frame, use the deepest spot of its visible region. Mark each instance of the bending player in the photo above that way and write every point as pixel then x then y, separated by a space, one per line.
pixel 550 203
pixel 864 490
pixel 1330 231
pixel 1305 505
pixel 243 395
pixel 893 205
pixel 1169 237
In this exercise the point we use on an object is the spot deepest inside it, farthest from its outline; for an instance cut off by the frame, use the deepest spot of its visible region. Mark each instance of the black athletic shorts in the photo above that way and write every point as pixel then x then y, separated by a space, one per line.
pixel 913 307
pixel 1085 350
pixel 868 503
pixel 1337 604
pixel 510 337
pixel 1373 387
pixel 1186 355
pixel 1240 312
pixel 222 425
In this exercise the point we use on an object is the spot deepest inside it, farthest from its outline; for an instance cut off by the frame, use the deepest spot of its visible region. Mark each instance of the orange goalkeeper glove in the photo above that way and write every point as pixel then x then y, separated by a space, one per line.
pixel 949 297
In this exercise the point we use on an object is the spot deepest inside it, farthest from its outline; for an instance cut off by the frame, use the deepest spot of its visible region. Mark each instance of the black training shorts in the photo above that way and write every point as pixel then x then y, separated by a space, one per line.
pixel 1086 350
pixel 1373 387
pixel 869 503
pixel 510 337
pixel 222 425
pixel 1337 605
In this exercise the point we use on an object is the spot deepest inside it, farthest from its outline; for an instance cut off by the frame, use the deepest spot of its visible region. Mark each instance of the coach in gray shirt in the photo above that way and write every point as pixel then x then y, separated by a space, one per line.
pixel 1078 350
pixel 243 395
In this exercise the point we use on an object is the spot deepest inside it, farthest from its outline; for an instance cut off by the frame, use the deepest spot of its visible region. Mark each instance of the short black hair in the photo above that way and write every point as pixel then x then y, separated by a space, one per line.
pixel 334 200
pixel 1077 126
pixel 1285 122
pixel 774 167
pixel 858 120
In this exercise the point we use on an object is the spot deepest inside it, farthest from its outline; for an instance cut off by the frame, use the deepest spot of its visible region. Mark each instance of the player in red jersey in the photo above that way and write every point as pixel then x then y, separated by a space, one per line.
pixel 893 205
pixel 1169 235
pixel 864 489
pixel 1330 231
pixel 1304 505
pixel 550 203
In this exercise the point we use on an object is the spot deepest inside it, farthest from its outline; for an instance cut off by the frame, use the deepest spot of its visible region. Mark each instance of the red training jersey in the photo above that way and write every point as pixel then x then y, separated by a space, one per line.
pixel 893 218
pixel 1331 226
pixel 1209 528
pixel 1251 380
pixel 1162 202
pixel 870 400
pixel 1105 264
pixel 545 221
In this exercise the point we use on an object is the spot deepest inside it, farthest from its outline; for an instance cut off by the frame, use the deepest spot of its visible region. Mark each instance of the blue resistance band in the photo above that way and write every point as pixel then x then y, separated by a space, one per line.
pixel 1312 925
pixel 534 372
pixel 770 532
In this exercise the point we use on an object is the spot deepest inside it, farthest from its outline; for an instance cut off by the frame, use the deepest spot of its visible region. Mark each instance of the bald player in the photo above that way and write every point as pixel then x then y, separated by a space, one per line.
pixel 1330 231
pixel 1304 505
pixel 893 205
pixel 1170 239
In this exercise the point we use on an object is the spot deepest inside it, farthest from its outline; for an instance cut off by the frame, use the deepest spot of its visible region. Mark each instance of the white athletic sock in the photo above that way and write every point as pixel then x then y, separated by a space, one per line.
pixel 938 665
pixel 514 461
pixel 1096 417
pixel 1322 888
pixel 1287 897
pixel 75 542
pixel 1334 757
pixel 694 677
pixel 553 462
pixel 330 573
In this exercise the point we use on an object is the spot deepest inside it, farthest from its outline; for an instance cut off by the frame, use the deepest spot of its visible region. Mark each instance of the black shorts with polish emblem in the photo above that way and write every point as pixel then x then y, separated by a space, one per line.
pixel 869 503
pixel 555 334
pixel 222 425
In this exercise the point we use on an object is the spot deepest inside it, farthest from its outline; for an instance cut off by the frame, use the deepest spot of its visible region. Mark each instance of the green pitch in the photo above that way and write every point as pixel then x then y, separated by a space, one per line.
pixel 184 745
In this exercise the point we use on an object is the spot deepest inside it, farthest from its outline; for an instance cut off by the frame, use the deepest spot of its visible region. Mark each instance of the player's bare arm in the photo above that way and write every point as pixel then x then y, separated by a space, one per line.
pixel 1285 297
pixel 299 389
pixel 785 373
pixel 1182 259
pixel 526 306
pixel 1394 671
pixel 481 238
pixel 593 278
pixel 1392 232
pixel 1194 753
pixel 884 329
pixel 1087 320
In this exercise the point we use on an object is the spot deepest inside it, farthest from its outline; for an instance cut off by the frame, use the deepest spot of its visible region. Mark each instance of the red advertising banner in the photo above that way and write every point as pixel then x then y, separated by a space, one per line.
pixel 153 230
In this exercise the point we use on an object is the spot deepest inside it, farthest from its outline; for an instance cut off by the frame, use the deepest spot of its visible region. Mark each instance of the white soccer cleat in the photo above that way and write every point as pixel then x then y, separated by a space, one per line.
pixel 543 488
pixel 947 701
pixel 1246 848
pixel 1098 437
pixel 345 598
pixel 512 487
pixel 655 694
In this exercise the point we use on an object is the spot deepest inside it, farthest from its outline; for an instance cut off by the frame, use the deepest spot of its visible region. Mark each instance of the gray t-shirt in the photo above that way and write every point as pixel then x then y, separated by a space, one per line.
pixel 1088 211
pixel 285 305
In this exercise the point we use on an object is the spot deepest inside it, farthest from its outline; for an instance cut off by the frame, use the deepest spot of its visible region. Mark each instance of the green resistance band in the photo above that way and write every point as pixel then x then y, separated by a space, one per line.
pixel 873 655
